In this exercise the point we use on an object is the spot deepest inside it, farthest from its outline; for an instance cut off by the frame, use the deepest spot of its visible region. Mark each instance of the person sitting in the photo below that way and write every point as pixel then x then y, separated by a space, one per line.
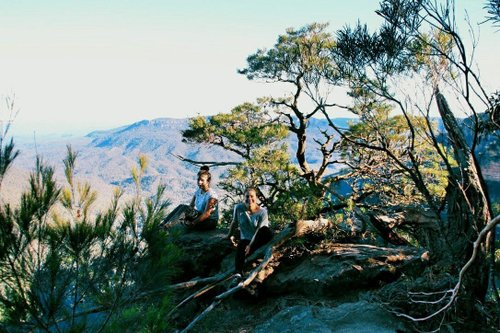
pixel 203 211
pixel 253 222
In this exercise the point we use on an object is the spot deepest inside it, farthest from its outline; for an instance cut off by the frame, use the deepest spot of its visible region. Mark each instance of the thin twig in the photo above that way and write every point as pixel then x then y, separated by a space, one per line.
pixel 198 293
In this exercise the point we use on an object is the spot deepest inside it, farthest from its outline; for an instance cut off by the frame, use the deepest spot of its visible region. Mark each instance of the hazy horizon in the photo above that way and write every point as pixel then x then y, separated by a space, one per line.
pixel 76 67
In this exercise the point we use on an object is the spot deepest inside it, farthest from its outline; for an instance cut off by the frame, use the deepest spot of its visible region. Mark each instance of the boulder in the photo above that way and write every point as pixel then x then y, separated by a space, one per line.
pixel 339 268
pixel 201 252
pixel 359 317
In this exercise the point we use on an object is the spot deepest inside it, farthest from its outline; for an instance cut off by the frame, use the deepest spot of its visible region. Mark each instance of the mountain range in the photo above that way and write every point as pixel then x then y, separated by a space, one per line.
pixel 105 159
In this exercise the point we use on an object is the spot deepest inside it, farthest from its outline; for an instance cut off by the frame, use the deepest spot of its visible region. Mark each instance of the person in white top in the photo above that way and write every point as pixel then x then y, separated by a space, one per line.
pixel 203 211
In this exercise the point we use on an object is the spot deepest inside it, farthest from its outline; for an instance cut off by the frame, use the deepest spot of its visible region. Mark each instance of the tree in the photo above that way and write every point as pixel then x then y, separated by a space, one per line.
pixel 370 172
pixel 7 151
pixel 493 8
pixel 300 59
pixel 419 49
pixel 257 142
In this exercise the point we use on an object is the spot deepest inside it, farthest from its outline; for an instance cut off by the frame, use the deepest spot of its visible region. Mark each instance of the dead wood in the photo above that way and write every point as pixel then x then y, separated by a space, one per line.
pixel 311 226
pixel 198 281
pixel 449 296
pixel 243 284
pixel 209 163
pixel 200 292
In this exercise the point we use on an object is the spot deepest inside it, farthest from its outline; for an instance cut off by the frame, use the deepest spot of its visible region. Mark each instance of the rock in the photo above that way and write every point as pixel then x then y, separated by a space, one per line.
pixel 341 268
pixel 202 252
pixel 359 317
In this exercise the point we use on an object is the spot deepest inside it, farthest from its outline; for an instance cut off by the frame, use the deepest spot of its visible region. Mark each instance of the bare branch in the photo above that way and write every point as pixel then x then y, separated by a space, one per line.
pixel 209 163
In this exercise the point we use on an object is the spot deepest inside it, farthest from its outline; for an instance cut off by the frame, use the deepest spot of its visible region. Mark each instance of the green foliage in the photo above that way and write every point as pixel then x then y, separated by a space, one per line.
pixel 496 208
pixel 7 156
pixel 247 127
pixel 374 170
pixel 432 51
pixel 60 263
pixel 8 153
pixel 299 54
pixel 257 141
pixel 138 173
pixel 493 9
pixel 408 66
pixel 142 317
pixel 302 59
pixel 412 51
pixel 300 201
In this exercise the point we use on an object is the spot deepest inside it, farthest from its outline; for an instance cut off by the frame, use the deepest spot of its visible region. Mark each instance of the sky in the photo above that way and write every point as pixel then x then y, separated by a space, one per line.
pixel 77 66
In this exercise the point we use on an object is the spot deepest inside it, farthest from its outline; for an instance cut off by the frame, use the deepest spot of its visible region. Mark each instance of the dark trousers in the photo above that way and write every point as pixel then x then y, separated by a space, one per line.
pixel 183 214
pixel 264 235
pixel 178 215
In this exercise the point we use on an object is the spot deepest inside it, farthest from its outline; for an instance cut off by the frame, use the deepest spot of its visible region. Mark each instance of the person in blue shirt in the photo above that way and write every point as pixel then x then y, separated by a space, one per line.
pixel 203 211
pixel 253 222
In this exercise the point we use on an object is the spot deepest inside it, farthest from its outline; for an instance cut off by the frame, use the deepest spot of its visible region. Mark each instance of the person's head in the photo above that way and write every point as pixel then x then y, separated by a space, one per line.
pixel 251 199
pixel 204 178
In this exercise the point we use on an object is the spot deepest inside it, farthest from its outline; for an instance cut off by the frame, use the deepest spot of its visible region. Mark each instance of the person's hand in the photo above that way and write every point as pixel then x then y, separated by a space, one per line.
pixel 189 223
pixel 233 240
pixel 247 250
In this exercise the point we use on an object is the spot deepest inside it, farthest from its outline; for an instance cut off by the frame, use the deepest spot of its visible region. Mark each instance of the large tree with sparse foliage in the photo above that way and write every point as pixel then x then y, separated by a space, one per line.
pixel 408 157
pixel 413 63
pixel 301 60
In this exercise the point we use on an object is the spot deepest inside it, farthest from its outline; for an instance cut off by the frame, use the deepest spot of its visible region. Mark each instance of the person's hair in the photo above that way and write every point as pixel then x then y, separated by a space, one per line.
pixel 251 188
pixel 204 170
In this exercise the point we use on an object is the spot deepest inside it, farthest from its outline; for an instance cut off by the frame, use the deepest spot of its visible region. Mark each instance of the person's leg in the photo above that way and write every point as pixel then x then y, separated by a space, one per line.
pixel 264 235
pixel 175 216
pixel 239 260
pixel 208 224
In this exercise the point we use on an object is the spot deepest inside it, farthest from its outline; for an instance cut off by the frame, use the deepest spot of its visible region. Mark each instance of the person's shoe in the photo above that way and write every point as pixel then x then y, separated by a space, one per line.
pixel 251 289
pixel 235 280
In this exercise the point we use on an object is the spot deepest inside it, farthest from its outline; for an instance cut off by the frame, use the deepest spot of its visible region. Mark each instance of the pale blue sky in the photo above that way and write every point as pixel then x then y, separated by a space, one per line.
pixel 76 66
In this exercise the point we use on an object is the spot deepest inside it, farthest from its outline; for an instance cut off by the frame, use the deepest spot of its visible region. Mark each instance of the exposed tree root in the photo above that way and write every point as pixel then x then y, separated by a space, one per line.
pixel 449 296
pixel 293 229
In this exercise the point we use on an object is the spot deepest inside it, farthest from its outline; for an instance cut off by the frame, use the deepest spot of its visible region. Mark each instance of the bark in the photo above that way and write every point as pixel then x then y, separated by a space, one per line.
pixel 424 225
pixel 301 153
pixel 382 224
pixel 468 209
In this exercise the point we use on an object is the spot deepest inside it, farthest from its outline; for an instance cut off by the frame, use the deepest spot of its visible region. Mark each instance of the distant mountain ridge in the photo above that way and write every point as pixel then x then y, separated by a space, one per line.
pixel 106 157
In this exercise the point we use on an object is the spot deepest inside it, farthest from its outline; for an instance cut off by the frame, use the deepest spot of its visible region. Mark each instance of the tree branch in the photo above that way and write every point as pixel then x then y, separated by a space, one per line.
pixel 209 163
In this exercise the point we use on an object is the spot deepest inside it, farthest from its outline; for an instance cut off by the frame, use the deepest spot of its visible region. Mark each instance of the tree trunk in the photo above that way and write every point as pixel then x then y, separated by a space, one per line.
pixel 468 210
pixel 301 153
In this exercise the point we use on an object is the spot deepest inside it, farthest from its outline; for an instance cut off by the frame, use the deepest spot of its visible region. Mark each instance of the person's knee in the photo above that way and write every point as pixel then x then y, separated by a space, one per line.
pixel 266 234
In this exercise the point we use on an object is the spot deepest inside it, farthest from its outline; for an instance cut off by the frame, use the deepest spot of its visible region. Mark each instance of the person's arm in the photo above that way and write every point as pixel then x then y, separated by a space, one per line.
pixel 212 202
pixel 233 226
